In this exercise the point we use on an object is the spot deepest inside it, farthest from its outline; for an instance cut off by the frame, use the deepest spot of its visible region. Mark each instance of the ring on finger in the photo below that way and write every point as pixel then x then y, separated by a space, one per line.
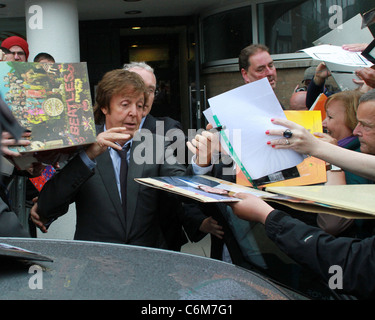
pixel 287 134
pixel 287 142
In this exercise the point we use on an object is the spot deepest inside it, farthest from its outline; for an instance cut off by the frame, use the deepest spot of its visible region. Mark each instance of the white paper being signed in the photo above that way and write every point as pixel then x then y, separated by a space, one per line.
pixel 336 54
pixel 246 112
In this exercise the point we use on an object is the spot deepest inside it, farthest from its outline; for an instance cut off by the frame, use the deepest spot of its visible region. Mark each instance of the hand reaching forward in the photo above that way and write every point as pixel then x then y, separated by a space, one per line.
pixel 326 137
pixel 35 218
pixel 250 208
pixel 321 74
pixel 210 225
pixel 367 75
pixel 204 145
pixel 7 140
pixel 301 141
pixel 108 139
pixel 355 47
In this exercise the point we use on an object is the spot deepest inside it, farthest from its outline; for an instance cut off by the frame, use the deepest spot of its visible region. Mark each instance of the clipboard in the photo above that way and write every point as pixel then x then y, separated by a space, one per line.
pixel 369 52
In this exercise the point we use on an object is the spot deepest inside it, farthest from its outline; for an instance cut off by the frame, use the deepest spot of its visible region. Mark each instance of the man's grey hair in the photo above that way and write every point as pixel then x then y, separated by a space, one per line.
pixel 140 65
pixel 368 96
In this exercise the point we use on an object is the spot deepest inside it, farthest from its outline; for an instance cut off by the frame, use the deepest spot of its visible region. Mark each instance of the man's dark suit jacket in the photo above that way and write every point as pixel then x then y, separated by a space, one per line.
pixel 171 209
pixel 97 200
pixel 10 225
pixel 169 123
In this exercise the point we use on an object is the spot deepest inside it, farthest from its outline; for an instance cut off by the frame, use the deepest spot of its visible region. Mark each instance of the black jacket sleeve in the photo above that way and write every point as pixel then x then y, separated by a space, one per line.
pixel 10 226
pixel 313 92
pixel 59 192
pixel 317 250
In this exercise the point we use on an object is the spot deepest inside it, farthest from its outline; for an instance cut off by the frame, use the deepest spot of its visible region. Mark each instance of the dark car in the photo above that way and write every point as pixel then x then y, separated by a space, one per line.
pixel 94 270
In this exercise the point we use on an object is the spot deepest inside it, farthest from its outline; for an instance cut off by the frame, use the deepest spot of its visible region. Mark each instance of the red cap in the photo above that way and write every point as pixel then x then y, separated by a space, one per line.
pixel 16 41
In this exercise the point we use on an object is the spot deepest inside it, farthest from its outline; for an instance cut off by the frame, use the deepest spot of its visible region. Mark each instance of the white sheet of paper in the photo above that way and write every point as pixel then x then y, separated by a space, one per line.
pixel 247 112
pixel 336 54
pixel 209 116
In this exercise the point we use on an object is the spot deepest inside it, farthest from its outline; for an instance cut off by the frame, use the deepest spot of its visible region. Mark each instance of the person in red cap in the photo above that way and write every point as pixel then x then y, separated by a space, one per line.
pixel 18 47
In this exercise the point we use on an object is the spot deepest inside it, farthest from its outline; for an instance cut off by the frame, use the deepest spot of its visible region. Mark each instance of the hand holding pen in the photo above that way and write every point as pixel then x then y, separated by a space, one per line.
pixel 204 145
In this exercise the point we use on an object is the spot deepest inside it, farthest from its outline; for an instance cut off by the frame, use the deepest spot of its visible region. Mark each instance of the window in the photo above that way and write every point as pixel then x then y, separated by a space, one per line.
pixel 12 26
pixel 225 34
pixel 291 25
